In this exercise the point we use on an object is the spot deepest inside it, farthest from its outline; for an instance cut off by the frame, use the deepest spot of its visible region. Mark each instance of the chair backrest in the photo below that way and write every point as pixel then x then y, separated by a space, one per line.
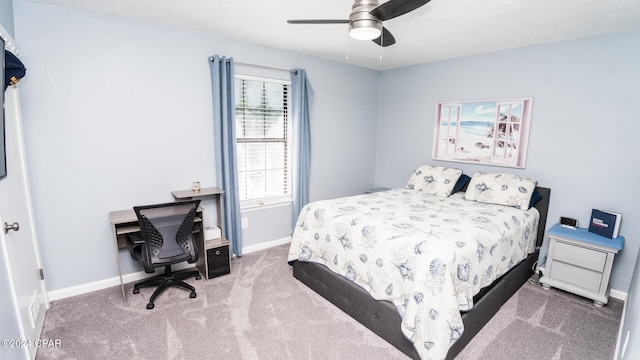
pixel 167 230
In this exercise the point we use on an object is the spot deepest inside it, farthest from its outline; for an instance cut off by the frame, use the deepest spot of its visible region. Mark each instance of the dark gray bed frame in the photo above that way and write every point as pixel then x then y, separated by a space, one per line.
pixel 382 318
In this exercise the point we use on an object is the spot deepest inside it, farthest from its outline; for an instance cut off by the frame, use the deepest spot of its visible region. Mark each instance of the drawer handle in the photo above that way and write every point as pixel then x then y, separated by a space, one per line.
pixel 217 252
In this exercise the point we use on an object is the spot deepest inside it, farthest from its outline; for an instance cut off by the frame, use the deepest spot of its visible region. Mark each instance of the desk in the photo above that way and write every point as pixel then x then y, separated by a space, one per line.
pixel 125 222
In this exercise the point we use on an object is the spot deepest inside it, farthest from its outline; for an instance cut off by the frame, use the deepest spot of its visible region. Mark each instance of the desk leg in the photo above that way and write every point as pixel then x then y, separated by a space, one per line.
pixel 124 296
pixel 115 239
pixel 201 263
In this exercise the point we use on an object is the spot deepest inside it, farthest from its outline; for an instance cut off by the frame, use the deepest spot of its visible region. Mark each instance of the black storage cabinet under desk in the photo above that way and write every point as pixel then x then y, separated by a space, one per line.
pixel 217 253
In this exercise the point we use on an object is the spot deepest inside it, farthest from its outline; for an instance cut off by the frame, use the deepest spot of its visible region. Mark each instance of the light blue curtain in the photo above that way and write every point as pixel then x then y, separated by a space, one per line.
pixel 222 84
pixel 301 98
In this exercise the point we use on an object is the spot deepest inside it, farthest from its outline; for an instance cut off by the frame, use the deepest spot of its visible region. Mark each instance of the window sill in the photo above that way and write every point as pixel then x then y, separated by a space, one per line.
pixel 264 206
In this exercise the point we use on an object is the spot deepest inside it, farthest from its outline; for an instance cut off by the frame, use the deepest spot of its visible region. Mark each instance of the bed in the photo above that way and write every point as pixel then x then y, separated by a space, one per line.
pixel 428 264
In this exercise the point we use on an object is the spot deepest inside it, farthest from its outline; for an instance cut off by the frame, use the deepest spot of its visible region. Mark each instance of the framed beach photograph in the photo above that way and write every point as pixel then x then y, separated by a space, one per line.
pixel 487 132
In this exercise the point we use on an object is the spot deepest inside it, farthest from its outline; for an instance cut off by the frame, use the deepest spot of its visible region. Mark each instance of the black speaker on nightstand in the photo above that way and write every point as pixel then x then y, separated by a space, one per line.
pixel 568 222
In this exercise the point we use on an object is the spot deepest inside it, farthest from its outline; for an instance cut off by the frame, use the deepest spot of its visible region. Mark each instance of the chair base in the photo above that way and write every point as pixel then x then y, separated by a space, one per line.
pixel 166 280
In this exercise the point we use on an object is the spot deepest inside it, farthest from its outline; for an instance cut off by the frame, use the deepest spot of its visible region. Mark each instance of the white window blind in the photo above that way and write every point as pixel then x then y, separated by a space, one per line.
pixel 262 140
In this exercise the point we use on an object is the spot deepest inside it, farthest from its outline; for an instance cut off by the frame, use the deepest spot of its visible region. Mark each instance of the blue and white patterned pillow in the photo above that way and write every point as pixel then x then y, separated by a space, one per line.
pixel 434 180
pixel 501 189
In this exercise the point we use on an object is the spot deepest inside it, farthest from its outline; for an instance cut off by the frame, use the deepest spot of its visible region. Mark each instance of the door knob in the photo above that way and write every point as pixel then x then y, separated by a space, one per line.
pixel 15 227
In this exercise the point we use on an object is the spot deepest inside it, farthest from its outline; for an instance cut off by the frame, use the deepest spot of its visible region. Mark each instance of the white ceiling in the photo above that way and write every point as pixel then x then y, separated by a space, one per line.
pixel 442 29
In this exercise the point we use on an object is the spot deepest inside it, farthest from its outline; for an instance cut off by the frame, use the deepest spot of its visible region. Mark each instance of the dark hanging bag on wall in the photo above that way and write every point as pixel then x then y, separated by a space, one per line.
pixel 14 70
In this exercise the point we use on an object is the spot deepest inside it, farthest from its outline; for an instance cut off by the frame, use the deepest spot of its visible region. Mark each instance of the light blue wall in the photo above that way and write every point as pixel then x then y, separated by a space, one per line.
pixel 118 113
pixel 6 16
pixel 583 142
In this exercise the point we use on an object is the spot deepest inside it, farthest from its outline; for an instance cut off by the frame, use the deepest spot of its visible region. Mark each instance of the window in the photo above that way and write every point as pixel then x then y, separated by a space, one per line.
pixel 262 141
pixel 486 132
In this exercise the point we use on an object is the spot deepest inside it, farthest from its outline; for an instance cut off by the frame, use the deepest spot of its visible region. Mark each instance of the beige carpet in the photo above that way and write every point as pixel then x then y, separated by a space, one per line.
pixel 260 311
pixel 548 324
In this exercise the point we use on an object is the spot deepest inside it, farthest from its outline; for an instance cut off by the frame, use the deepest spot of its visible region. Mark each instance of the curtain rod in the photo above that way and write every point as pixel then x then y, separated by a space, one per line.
pixel 295 72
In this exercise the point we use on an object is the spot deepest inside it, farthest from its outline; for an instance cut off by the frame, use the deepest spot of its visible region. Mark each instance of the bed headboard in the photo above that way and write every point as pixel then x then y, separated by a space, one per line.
pixel 543 208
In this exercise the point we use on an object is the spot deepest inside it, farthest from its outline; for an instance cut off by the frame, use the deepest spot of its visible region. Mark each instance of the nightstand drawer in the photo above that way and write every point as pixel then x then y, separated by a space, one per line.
pixel 578 276
pixel 587 258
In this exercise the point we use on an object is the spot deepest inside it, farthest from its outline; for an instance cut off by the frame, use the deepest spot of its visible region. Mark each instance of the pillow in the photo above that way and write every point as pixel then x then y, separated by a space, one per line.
pixel 535 197
pixel 460 184
pixel 501 189
pixel 434 180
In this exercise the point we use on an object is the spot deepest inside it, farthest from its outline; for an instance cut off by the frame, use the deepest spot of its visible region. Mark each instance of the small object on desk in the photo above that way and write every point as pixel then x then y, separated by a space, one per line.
pixel 195 186
pixel 212 232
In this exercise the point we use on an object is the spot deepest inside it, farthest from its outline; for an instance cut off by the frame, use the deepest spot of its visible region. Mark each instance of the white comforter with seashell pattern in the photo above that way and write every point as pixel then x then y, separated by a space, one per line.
pixel 429 255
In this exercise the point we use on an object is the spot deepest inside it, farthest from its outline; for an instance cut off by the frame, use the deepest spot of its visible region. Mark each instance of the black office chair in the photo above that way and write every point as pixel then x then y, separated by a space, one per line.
pixel 166 238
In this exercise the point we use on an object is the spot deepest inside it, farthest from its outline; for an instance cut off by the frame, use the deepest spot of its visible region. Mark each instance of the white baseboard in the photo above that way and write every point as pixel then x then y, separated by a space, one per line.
pixel 106 283
pixel 265 245
pixel 617 294
pixel 127 278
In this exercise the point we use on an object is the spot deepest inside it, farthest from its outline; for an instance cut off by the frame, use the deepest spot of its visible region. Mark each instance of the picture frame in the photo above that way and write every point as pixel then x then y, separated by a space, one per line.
pixel 487 132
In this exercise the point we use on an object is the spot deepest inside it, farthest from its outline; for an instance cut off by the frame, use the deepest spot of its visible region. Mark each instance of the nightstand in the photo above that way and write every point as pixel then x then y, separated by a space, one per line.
pixel 580 262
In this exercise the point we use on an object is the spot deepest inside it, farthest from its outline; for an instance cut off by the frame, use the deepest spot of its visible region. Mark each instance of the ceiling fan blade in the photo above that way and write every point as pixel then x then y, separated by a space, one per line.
pixel 395 8
pixel 386 39
pixel 318 21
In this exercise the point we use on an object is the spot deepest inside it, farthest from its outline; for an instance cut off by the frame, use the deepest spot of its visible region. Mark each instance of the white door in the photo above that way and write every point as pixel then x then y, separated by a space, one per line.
pixel 21 244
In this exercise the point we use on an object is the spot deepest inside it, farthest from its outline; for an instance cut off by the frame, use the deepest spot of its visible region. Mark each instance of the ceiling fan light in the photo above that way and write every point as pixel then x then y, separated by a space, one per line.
pixel 365 30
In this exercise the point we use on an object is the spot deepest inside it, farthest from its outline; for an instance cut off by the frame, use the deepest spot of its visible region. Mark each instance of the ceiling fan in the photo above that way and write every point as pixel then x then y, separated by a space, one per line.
pixel 365 20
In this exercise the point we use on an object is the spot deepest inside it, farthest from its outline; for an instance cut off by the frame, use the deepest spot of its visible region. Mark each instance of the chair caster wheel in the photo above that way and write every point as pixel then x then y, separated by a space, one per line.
pixel 198 277
pixel 192 295
pixel 136 291
pixel 150 306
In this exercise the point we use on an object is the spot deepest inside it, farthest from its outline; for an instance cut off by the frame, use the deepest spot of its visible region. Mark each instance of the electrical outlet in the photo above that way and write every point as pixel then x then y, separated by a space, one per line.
pixel 245 223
